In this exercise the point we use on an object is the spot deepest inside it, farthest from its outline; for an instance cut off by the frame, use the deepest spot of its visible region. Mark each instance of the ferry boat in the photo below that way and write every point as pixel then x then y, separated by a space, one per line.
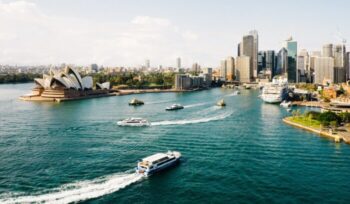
pixel 221 103
pixel 135 102
pixel 174 107
pixel 275 92
pixel 157 162
pixel 133 122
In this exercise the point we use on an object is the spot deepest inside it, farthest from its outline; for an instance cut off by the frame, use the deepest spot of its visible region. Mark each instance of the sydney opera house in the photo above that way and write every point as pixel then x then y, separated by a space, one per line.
pixel 66 85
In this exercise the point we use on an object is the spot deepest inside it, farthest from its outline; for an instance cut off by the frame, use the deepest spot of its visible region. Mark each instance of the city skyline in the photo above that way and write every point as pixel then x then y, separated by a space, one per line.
pixel 127 33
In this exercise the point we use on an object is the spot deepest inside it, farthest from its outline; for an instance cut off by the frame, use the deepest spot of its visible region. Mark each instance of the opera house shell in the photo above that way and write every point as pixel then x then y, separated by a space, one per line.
pixel 66 85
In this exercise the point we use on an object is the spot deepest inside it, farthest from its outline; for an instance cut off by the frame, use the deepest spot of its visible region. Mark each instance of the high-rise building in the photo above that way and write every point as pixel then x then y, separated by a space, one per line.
pixel 147 63
pixel 223 70
pixel 327 50
pixel 239 49
pixel 196 68
pixel 292 49
pixel 282 61
pixel 324 70
pixel 178 63
pixel 270 62
pixel 230 68
pixel 243 69
pixel 261 61
pixel 312 59
pixel 255 35
pixel 347 65
pixel 247 49
pixel 303 66
pixel 208 75
pixel 339 63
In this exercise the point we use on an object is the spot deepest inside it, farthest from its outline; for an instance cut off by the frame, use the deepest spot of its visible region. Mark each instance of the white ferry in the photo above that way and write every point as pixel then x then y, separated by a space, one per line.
pixel 174 107
pixel 275 92
pixel 133 122
pixel 157 162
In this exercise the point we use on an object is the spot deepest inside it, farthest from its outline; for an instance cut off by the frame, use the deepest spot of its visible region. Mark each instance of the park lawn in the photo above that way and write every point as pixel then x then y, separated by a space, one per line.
pixel 305 121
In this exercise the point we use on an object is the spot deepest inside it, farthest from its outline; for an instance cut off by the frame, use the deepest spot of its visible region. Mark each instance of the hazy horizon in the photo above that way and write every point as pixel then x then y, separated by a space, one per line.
pixel 119 33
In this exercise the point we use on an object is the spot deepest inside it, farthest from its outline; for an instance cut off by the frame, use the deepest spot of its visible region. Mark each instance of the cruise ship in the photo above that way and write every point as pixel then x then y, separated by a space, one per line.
pixel 157 162
pixel 276 91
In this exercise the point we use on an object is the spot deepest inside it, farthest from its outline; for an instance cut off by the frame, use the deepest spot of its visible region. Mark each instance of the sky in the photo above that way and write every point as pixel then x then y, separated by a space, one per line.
pixel 126 32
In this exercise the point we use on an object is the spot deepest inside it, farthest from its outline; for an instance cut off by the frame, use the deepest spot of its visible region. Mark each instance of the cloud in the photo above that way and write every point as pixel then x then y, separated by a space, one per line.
pixel 29 36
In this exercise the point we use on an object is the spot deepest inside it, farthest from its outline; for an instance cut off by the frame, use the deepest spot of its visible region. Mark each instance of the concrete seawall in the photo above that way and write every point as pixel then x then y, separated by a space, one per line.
pixel 334 137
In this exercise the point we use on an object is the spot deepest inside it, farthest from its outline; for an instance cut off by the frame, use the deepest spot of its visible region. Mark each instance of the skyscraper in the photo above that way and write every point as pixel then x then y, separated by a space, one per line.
pixel 324 70
pixel 255 35
pixel 147 63
pixel 303 66
pixel 247 49
pixel 230 68
pixel 178 63
pixel 223 70
pixel 270 62
pixel 292 49
pixel 261 61
pixel 243 70
pixel 282 60
pixel 339 63
pixel 196 68
pixel 327 50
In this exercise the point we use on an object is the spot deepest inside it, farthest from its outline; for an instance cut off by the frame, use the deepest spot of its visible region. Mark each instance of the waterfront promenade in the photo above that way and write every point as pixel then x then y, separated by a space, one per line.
pixel 338 135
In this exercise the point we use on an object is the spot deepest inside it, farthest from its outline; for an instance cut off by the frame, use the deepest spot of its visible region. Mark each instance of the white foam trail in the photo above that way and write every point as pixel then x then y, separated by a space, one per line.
pixel 195 105
pixel 232 94
pixel 79 191
pixel 192 121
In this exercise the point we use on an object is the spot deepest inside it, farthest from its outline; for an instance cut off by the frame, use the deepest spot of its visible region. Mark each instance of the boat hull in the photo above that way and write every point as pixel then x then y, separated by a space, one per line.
pixel 173 109
pixel 163 167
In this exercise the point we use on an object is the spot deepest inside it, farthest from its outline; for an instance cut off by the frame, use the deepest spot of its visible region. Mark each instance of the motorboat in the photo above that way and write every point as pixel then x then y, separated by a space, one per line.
pixel 286 104
pixel 133 122
pixel 135 102
pixel 157 162
pixel 221 103
pixel 174 107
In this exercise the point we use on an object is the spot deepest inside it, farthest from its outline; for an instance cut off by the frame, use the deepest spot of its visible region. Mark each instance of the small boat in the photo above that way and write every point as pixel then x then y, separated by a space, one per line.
pixel 286 104
pixel 238 92
pixel 157 162
pixel 135 102
pixel 138 122
pixel 289 109
pixel 221 103
pixel 174 107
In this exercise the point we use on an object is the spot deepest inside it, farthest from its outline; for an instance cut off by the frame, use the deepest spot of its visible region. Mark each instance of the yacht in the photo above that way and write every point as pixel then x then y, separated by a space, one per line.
pixel 135 102
pixel 221 103
pixel 174 107
pixel 275 92
pixel 157 162
pixel 133 122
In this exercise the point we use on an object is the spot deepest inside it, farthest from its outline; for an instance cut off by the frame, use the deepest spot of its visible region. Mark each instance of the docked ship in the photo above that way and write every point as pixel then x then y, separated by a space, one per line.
pixel 174 107
pixel 157 162
pixel 138 122
pixel 275 92
pixel 135 102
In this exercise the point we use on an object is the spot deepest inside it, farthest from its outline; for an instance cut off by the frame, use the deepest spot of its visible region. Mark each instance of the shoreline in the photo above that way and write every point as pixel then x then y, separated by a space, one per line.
pixel 335 136
pixel 113 92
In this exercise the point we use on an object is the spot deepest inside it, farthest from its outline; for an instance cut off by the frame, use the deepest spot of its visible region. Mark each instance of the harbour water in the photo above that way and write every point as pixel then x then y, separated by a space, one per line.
pixel 242 153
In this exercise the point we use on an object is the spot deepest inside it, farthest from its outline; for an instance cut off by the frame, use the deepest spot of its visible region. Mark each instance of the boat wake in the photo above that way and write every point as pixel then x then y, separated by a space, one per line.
pixel 192 121
pixel 79 191
pixel 232 94
pixel 195 105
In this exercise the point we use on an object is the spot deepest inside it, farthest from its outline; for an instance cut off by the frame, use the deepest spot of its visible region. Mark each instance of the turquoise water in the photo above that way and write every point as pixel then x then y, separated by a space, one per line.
pixel 242 153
